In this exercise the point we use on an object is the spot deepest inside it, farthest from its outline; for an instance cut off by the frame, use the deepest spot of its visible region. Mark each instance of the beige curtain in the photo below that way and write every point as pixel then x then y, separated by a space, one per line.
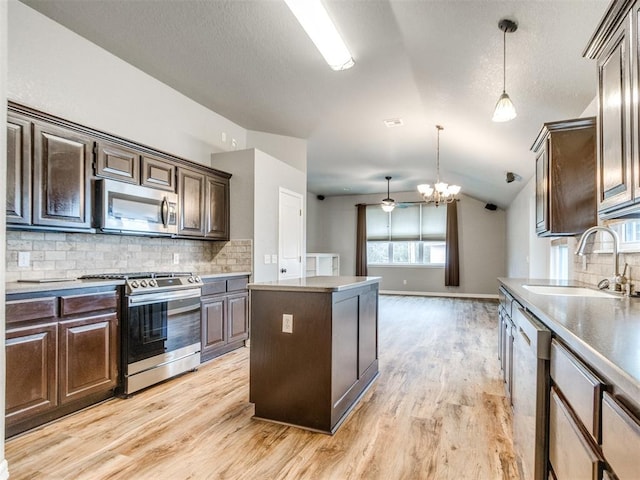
pixel 452 265
pixel 361 241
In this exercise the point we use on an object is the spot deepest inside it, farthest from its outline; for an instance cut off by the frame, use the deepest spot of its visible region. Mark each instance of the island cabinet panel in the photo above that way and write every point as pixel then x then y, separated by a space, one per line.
pixel 31 371
pixel 312 376
pixel 18 170
pixel 61 170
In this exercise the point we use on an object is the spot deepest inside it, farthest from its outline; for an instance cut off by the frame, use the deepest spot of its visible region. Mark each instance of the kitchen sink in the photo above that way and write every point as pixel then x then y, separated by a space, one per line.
pixel 568 291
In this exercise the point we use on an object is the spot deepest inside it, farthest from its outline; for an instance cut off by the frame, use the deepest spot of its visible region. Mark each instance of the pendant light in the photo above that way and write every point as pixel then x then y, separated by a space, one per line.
pixel 441 192
pixel 388 204
pixel 505 109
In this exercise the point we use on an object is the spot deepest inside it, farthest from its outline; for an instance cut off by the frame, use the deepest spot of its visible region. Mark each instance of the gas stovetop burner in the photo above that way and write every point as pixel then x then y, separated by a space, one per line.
pixel 147 282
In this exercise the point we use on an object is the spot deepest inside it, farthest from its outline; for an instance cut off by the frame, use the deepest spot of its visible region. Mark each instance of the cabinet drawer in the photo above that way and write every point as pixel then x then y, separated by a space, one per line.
pixel 32 309
pixel 580 386
pixel 570 452
pixel 235 284
pixel 214 287
pixel 74 304
pixel 620 438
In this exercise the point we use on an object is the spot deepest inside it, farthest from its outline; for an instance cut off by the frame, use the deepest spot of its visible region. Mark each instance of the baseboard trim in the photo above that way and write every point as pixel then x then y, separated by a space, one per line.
pixel 4 470
pixel 441 294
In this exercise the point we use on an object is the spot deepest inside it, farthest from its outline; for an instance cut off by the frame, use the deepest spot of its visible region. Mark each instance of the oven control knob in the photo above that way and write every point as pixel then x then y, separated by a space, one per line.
pixel 153 283
pixel 198 280
pixel 143 283
pixel 191 279
pixel 134 284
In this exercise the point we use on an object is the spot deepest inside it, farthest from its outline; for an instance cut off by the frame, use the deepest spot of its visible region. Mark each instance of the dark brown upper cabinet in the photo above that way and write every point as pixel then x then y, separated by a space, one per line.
pixel 61 172
pixel 18 170
pixel 217 198
pixel 566 177
pixel 118 163
pixel 615 47
pixel 203 200
pixel 157 173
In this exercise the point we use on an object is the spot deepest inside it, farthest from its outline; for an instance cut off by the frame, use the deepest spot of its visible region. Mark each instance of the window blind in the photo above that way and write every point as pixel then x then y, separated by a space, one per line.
pixel 412 222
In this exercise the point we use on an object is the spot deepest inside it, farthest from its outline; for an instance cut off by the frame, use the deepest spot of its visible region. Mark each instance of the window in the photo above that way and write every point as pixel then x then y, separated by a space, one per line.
pixel 559 261
pixel 629 233
pixel 412 234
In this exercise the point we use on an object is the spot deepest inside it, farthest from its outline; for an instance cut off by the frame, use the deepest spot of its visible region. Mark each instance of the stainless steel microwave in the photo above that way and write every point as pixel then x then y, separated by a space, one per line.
pixel 126 208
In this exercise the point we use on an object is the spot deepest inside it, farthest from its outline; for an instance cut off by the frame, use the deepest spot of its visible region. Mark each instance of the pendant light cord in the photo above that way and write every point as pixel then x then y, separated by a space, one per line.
pixel 504 61
pixel 438 127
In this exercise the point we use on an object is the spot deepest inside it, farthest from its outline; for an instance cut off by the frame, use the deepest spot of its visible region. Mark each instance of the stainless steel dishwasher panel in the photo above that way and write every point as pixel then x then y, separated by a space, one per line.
pixel 530 393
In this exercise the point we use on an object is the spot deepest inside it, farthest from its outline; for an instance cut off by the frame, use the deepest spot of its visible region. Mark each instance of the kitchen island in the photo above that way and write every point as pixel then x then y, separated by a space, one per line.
pixel 314 348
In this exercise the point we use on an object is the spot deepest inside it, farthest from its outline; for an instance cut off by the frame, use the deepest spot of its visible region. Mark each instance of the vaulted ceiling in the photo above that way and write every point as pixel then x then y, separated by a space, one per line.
pixel 426 62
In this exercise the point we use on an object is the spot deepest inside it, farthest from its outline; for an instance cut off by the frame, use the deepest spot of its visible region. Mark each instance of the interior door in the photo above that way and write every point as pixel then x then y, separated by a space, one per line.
pixel 290 235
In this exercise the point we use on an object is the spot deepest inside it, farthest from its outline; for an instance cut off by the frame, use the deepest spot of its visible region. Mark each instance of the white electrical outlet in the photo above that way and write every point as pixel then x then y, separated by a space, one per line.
pixel 267 259
pixel 287 323
pixel 176 258
pixel 24 259
pixel 234 143
pixel 404 282
pixel 224 137
pixel 274 258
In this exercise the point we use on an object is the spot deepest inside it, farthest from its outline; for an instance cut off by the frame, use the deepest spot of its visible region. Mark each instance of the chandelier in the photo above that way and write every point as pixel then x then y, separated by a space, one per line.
pixel 440 192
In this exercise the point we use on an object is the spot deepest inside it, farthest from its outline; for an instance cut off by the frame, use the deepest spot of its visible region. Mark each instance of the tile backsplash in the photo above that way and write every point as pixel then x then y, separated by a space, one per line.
pixel 593 267
pixel 71 255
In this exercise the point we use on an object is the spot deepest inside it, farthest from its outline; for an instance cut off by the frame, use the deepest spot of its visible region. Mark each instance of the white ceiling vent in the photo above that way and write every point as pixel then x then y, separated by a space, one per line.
pixel 393 122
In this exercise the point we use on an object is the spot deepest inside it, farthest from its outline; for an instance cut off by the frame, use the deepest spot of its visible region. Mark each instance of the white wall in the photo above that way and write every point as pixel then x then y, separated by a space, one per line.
pixel 255 183
pixel 482 243
pixel 57 71
pixel 4 472
pixel 290 150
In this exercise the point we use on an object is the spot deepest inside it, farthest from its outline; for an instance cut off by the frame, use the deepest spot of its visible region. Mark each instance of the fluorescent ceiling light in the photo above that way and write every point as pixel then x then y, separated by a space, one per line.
pixel 316 22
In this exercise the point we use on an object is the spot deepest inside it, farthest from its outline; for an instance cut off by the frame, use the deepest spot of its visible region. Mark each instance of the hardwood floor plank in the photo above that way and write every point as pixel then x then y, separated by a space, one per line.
pixel 437 411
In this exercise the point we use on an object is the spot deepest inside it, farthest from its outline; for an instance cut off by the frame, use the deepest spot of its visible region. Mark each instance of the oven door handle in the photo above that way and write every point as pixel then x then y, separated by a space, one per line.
pixel 159 297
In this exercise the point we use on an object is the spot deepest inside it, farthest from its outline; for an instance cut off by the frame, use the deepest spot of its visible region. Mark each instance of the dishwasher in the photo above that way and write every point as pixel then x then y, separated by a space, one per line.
pixel 530 393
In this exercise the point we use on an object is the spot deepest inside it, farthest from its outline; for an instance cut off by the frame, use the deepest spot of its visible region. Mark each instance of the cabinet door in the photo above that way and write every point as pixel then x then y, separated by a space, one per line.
pixel 542 191
pixel 88 362
pixel 117 162
pixel 61 168
pixel 18 170
pixel 158 174
pixel 238 307
pixel 217 208
pixel 614 149
pixel 31 371
pixel 214 325
pixel 192 190
pixel 344 349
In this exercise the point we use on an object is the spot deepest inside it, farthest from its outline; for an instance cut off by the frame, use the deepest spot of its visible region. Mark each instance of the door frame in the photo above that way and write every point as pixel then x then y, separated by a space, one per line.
pixel 300 196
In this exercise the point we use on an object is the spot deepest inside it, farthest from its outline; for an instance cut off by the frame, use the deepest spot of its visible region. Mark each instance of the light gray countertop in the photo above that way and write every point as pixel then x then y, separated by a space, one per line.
pixel 28 287
pixel 605 332
pixel 315 284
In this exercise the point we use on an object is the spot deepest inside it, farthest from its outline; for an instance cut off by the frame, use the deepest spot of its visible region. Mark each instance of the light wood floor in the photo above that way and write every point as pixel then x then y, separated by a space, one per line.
pixel 437 411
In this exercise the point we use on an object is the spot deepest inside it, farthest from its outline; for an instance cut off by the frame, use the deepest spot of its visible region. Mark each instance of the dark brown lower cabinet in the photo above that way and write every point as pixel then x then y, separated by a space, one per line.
pixel 61 354
pixel 225 316
pixel 31 371
pixel 87 356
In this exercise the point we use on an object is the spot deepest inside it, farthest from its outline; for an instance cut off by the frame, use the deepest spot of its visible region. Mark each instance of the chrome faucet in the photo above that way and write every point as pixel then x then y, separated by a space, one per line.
pixel 618 279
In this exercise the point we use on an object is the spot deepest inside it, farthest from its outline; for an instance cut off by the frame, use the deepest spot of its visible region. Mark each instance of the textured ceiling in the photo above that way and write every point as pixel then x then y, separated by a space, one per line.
pixel 428 62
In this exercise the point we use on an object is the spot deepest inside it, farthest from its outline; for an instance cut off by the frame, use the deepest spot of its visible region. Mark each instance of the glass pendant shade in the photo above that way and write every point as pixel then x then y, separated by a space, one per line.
pixel 388 204
pixel 505 109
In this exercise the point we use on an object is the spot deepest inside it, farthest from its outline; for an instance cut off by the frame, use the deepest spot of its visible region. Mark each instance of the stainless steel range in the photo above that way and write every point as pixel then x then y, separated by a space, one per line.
pixel 160 328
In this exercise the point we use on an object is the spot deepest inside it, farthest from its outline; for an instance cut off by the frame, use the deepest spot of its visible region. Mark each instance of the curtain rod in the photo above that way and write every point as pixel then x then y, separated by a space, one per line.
pixel 404 203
